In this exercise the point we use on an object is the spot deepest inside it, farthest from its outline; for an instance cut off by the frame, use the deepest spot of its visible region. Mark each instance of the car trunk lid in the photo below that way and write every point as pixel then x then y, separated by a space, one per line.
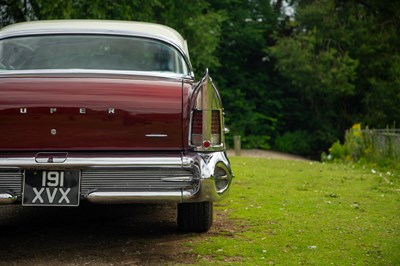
pixel 90 113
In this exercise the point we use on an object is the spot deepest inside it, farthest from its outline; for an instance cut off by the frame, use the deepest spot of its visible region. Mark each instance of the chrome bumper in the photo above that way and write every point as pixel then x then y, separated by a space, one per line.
pixel 204 169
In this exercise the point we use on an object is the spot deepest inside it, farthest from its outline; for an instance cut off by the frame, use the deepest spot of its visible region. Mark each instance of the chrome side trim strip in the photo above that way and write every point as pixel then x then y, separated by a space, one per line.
pixel 87 162
pixel 177 179
pixel 156 135
pixel 134 197
pixel 6 198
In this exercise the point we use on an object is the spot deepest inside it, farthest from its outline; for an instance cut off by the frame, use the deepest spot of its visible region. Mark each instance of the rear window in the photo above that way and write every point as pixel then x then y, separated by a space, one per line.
pixel 90 52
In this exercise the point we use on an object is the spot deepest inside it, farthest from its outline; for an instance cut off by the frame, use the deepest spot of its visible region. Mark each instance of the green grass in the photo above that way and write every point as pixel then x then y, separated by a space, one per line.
pixel 304 213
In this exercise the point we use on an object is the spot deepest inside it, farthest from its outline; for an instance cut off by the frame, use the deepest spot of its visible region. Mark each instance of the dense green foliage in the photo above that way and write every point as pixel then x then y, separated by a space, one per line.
pixel 304 213
pixel 342 60
pixel 288 70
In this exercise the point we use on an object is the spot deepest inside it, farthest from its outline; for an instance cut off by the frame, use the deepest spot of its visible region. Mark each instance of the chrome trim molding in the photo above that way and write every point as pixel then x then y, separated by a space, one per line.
pixel 6 198
pixel 86 162
pixel 177 179
pixel 95 72
pixel 156 135
pixel 134 197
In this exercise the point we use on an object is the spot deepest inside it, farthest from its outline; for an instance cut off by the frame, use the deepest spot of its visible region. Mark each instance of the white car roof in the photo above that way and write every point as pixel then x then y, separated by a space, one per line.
pixel 131 28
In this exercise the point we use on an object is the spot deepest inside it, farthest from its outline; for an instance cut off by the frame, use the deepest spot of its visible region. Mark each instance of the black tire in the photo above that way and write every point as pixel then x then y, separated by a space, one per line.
pixel 195 217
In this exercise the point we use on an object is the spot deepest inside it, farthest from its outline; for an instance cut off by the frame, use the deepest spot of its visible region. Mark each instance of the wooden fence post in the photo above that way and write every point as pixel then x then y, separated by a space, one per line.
pixel 236 141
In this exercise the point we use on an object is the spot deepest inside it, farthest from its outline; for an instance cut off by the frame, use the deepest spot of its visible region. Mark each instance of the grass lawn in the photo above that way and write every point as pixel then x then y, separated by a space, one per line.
pixel 304 213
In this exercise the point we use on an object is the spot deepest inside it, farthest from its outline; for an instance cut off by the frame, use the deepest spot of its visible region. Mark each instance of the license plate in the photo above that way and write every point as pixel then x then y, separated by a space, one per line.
pixel 51 188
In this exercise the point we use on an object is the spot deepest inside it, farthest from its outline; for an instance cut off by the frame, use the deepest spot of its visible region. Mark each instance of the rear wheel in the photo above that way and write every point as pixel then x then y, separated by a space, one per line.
pixel 195 217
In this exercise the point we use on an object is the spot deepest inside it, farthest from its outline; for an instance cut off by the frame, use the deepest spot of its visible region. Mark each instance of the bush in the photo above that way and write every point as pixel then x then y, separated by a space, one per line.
pixel 338 152
pixel 297 142
pixel 379 147
pixel 355 142
pixel 252 141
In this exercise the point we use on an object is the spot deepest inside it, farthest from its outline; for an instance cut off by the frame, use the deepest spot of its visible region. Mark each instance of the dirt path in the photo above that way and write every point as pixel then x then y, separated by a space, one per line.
pixel 267 154
pixel 90 235
pixel 97 235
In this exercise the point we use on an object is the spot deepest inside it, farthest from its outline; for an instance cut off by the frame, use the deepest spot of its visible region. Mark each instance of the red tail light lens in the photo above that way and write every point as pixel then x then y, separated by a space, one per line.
pixel 215 123
pixel 215 128
pixel 197 122
pixel 197 128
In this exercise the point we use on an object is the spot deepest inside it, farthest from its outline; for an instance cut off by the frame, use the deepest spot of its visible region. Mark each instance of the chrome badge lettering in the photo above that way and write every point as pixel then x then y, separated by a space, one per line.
pixel 82 110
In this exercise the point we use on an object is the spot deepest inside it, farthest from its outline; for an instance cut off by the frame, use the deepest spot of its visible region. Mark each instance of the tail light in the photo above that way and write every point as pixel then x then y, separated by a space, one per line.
pixel 215 123
pixel 207 120
pixel 197 128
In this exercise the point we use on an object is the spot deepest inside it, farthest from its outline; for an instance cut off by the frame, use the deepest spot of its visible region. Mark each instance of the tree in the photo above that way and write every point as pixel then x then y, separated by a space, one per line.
pixel 341 58
pixel 246 76
pixel 12 11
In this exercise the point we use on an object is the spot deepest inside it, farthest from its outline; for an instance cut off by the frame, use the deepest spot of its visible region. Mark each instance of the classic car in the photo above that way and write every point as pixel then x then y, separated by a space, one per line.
pixel 109 112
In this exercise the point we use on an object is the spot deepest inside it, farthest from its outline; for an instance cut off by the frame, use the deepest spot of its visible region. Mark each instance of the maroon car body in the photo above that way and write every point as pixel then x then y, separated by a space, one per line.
pixel 91 113
pixel 108 112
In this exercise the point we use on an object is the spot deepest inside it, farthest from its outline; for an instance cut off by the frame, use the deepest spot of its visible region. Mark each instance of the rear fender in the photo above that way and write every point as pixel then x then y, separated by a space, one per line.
pixel 207 100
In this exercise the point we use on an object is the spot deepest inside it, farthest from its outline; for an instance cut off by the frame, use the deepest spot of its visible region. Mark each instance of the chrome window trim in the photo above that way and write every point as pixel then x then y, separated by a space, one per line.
pixel 185 56
pixel 97 72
